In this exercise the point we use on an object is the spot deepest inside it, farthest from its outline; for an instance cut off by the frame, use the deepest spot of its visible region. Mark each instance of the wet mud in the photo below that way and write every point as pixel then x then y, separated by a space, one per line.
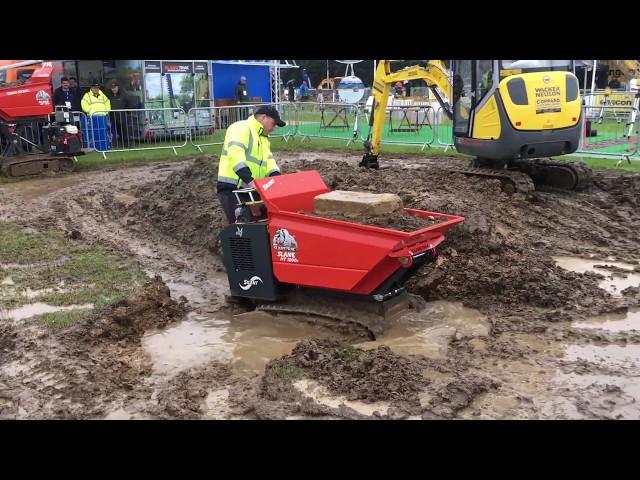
pixel 401 221
pixel 539 344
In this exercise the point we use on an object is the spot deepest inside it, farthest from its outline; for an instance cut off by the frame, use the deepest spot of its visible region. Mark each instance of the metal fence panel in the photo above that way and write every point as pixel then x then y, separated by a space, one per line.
pixel 339 121
pixel 444 130
pixel 610 131
pixel 138 129
pixel 208 126
pixel 406 123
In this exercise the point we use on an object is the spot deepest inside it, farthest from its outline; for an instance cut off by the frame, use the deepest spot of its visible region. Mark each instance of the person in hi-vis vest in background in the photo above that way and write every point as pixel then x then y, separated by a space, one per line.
pixel 95 101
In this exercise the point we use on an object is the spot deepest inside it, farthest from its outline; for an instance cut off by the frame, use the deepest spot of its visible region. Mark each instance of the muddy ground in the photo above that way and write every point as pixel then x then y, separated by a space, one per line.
pixel 508 333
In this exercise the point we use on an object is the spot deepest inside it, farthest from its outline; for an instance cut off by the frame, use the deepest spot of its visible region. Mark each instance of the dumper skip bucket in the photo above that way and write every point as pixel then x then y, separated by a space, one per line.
pixel 313 251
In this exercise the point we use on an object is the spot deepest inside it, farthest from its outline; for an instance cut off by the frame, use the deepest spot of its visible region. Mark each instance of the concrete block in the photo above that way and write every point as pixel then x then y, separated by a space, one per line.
pixel 357 203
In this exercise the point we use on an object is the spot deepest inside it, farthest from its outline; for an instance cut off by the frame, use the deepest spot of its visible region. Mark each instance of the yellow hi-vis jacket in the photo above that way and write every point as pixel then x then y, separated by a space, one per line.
pixel 91 104
pixel 246 155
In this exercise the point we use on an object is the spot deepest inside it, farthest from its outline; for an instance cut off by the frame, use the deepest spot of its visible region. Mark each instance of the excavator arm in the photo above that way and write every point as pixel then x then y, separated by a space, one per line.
pixel 435 75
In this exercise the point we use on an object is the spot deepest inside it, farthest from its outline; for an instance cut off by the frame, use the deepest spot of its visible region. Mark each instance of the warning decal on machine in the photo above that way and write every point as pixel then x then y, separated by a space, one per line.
pixel 285 246
pixel 43 98
pixel 547 99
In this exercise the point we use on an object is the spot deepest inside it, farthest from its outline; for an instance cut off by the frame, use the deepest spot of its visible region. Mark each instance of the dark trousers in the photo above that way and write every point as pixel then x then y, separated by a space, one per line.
pixel 243 113
pixel 229 204
pixel 119 127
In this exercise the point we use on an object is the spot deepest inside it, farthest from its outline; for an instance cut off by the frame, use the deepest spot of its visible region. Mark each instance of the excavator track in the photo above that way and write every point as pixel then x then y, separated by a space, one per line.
pixel 36 164
pixel 525 175
pixel 344 315
pixel 512 181
pixel 334 315
pixel 556 174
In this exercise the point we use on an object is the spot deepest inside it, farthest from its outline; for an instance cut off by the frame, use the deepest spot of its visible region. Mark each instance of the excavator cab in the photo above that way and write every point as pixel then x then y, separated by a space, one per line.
pixel 508 109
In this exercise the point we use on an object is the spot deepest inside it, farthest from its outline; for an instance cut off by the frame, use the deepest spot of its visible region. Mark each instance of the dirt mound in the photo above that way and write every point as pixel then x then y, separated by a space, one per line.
pixel 367 375
pixel 397 221
pixel 507 276
pixel 623 189
pixel 148 307
pixel 183 207
pixel 457 394
pixel 185 394
pixel 499 254
pixel 412 386
pixel 99 371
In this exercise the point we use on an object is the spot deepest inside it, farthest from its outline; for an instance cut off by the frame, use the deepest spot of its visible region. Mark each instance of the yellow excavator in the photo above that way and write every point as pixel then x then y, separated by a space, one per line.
pixel 511 115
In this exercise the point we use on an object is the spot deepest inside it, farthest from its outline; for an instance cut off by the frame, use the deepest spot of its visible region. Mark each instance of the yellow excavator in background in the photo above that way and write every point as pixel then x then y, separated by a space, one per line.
pixel 511 115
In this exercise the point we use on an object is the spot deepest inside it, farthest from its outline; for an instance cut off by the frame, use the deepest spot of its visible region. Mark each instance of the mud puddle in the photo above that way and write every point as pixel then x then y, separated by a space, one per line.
pixel 123 414
pixel 614 322
pixel 32 309
pixel 612 355
pixel 31 294
pixel 247 341
pixel 195 341
pixel 605 377
pixel 320 395
pixel 605 396
pixel 616 279
pixel 429 331
pixel 41 186
pixel 622 356
pixel 189 285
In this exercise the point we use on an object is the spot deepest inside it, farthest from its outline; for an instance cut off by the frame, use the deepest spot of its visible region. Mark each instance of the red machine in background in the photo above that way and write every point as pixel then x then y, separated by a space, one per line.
pixel 33 137
pixel 273 261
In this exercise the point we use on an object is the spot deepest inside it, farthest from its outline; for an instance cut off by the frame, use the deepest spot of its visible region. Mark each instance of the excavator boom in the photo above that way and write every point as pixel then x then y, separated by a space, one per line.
pixel 435 75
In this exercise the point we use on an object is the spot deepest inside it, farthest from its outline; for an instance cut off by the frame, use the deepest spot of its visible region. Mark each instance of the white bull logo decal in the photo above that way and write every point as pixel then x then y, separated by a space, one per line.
pixel 283 240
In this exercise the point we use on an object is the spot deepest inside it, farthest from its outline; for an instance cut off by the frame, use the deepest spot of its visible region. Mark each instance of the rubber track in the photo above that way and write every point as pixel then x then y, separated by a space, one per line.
pixel 66 164
pixel 338 311
pixel 521 182
pixel 581 171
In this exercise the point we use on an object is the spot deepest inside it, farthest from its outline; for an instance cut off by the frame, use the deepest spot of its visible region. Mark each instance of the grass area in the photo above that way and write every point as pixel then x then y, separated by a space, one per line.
pixel 64 318
pixel 77 273
pixel 286 370
pixel 133 158
pixel 20 246
pixel 610 136
pixel 610 163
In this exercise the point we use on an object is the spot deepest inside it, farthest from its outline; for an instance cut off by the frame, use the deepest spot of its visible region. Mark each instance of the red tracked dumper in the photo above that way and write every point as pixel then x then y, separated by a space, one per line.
pixel 33 137
pixel 288 261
